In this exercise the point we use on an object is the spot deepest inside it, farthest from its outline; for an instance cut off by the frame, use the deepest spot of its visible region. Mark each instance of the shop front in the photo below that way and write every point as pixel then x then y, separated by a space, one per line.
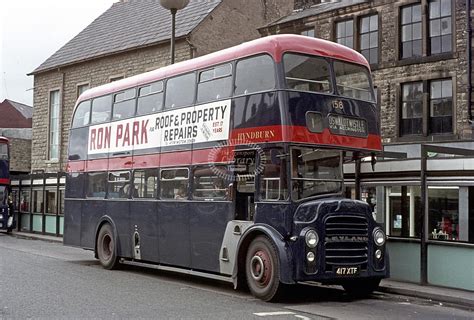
pixel 434 243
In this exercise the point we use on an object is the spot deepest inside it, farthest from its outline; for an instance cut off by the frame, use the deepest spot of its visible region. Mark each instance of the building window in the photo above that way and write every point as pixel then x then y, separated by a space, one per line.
pixel 54 125
pixel 441 106
pixel 308 33
pixel 345 33
pixel 81 88
pixel 440 26
pixel 443 205
pixel 412 109
pixel 438 113
pixel 411 31
pixel 369 38
pixel 403 207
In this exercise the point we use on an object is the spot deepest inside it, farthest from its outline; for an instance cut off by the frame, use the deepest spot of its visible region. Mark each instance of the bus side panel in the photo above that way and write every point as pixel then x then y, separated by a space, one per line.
pixel 144 215
pixel 92 211
pixel 72 222
pixel 173 233
pixel 207 227
pixel 119 212
pixel 276 215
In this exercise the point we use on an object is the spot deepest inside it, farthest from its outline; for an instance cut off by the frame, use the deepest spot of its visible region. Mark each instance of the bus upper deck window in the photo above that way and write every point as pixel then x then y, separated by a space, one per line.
pixel 180 91
pixel 101 109
pixel 215 84
pixel 150 98
pixel 124 104
pixel 353 81
pixel 82 114
pixel 254 74
pixel 306 73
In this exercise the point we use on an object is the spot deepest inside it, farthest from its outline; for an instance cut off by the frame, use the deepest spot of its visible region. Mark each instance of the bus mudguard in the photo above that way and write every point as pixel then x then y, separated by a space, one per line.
pixel 284 251
pixel 102 221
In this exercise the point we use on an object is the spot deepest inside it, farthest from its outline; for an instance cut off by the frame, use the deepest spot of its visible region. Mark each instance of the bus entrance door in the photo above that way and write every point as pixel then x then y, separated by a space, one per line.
pixel 244 175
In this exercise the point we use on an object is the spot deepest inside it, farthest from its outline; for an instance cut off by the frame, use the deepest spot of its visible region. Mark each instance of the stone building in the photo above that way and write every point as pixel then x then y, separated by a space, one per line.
pixel 420 53
pixel 129 38
pixel 15 124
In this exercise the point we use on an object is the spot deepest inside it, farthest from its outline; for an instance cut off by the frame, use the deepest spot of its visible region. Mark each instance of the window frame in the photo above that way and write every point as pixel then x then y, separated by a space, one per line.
pixel 58 124
pixel 231 75
pixel 110 95
pixel 336 38
pixel 124 182
pixel 160 183
pixel 275 75
pixel 165 90
pixel 426 134
pixel 114 102
pixel 360 33
pixel 328 60
pixel 138 96
pixel 157 183
pixel 440 18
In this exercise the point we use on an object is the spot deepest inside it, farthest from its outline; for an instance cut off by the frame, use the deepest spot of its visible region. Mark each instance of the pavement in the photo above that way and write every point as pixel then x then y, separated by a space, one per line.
pixel 451 296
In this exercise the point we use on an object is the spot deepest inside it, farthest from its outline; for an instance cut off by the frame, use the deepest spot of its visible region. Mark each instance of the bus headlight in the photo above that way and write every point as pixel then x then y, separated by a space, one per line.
pixel 379 237
pixel 310 256
pixel 312 239
pixel 378 254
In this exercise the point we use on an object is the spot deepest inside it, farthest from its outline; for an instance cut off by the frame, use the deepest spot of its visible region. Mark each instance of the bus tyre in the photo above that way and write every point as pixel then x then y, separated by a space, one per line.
pixel 361 287
pixel 106 248
pixel 262 269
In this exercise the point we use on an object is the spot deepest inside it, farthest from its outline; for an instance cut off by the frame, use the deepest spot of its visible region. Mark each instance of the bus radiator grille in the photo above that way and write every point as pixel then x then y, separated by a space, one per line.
pixel 346 241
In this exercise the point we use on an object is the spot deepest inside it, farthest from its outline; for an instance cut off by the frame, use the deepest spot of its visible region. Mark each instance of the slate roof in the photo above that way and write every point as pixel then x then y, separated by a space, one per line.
pixel 25 110
pixel 315 10
pixel 128 24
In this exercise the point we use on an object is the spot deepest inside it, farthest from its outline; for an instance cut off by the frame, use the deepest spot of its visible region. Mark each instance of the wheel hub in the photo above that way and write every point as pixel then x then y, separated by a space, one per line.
pixel 261 268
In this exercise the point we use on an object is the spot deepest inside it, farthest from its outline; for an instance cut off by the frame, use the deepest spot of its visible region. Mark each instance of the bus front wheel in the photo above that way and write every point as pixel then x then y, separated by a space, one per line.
pixel 106 248
pixel 262 269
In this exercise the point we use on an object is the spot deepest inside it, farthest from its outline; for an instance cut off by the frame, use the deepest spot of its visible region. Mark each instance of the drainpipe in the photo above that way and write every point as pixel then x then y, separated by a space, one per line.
pixel 469 62
pixel 192 48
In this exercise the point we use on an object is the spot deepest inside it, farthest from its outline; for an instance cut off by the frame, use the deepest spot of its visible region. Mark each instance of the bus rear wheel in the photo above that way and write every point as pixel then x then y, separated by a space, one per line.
pixel 106 248
pixel 361 288
pixel 262 269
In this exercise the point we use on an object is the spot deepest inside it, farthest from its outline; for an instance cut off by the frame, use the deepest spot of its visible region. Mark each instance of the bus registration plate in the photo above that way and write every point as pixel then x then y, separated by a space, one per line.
pixel 347 271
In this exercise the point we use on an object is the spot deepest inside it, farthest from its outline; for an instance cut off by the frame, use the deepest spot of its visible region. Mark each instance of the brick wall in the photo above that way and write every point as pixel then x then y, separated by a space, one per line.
pixel 95 73
pixel 11 117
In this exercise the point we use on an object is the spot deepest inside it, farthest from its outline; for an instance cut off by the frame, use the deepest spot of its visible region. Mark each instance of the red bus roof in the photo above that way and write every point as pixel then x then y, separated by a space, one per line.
pixel 3 140
pixel 272 45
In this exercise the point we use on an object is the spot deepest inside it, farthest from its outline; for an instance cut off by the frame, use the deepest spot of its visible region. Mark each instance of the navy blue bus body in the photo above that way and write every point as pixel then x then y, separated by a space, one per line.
pixel 189 234
pixel 213 236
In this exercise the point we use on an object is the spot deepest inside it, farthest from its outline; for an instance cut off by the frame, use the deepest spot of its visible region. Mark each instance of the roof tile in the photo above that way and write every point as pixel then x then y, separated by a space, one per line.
pixel 127 25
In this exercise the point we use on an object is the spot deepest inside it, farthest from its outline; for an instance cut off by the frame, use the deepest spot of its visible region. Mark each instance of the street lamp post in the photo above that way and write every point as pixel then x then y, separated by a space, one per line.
pixel 173 6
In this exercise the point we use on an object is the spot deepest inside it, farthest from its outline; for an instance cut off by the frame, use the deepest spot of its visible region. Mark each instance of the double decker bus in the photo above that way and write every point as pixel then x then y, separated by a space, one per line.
pixel 229 166
pixel 6 212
